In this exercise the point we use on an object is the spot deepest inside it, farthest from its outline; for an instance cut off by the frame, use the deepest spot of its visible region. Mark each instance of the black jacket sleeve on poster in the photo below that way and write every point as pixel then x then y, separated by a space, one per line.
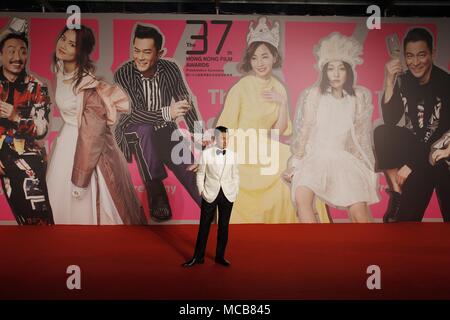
pixel 394 109
pixel 442 89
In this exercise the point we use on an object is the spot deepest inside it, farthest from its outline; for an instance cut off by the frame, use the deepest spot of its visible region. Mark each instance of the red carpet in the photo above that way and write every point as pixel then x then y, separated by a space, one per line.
pixel 268 262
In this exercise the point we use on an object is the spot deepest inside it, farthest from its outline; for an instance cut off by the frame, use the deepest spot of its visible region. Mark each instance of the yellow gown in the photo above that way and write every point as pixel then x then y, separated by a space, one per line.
pixel 262 198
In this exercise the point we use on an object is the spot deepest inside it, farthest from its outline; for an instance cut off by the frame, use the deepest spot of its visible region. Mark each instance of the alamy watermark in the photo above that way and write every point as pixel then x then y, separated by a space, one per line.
pixel 252 146
pixel 374 21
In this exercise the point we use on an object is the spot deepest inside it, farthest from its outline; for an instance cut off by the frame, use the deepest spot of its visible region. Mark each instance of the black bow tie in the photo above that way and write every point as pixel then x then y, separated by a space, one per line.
pixel 220 151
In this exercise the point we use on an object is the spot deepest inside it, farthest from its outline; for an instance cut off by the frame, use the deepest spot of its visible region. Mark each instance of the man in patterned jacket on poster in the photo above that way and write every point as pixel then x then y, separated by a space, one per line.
pixel 24 112
pixel 159 98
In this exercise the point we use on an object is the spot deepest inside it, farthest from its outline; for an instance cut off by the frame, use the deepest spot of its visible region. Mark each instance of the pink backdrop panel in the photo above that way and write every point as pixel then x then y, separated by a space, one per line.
pixel 298 72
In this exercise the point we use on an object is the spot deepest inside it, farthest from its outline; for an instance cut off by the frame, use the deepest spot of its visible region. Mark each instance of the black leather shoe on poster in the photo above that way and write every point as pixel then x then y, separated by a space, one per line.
pixel 161 212
pixel 159 203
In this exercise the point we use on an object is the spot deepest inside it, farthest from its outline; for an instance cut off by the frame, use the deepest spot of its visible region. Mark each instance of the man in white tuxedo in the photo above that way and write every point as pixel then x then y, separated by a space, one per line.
pixel 218 184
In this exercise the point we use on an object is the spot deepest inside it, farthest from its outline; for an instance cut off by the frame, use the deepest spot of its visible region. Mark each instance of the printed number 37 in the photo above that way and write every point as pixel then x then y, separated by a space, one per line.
pixel 204 36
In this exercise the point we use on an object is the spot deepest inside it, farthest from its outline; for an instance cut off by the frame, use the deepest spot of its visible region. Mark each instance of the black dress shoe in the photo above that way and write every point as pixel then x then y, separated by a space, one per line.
pixel 160 213
pixel 192 262
pixel 222 261
pixel 391 214
pixel 159 203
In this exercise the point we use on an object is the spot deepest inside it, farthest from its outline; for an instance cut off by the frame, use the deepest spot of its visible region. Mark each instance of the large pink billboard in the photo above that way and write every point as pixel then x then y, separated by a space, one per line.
pixel 209 51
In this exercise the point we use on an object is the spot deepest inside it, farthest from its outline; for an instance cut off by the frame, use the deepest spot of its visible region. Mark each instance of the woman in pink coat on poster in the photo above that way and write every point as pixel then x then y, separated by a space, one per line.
pixel 88 179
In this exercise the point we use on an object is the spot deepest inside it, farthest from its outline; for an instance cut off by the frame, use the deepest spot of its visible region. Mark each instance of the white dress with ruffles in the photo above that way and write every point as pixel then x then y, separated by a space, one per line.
pixel 333 155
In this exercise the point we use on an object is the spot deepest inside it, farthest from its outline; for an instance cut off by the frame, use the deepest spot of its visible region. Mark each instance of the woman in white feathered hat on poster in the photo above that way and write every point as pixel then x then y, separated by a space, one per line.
pixel 332 156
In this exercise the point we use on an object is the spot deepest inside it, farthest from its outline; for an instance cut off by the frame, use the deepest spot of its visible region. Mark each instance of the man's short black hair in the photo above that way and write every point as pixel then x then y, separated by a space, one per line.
pixel 219 130
pixel 19 36
pixel 146 32
pixel 419 34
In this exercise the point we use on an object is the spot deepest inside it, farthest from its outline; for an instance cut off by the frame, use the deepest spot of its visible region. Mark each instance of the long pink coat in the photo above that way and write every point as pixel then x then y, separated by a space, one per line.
pixel 97 148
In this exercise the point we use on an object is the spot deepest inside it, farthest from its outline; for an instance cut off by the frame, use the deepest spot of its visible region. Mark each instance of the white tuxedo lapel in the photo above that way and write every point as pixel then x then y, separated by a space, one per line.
pixel 218 172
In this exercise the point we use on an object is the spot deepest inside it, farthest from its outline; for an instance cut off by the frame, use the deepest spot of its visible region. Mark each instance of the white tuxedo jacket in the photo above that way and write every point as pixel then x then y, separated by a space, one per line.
pixel 218 171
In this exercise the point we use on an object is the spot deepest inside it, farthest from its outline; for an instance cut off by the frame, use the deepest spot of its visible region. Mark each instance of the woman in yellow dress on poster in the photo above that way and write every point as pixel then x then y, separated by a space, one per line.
pixel 255 108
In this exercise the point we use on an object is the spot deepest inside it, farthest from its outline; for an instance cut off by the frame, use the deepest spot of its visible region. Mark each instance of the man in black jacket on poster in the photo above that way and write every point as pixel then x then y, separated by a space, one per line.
pixel 415 156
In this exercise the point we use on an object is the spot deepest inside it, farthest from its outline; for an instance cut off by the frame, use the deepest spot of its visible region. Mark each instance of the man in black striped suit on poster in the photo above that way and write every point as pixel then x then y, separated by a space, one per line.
pixel 158 97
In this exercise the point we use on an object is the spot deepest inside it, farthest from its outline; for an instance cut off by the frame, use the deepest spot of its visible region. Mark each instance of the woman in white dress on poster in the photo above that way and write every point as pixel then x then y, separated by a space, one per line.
pixel 332 155
pixel 87 177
